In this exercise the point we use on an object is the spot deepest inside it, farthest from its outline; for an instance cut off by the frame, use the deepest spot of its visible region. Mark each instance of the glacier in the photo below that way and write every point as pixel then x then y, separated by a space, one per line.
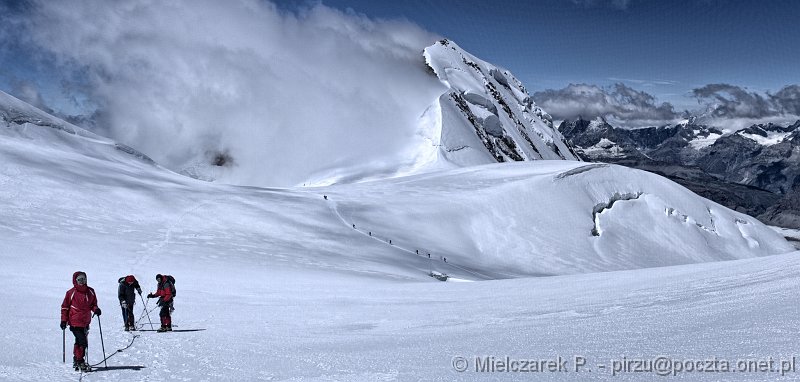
pixel 554 258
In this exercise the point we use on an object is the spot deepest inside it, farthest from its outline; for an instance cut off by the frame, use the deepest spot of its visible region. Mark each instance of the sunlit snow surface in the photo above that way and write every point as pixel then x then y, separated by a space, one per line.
pixel 288 289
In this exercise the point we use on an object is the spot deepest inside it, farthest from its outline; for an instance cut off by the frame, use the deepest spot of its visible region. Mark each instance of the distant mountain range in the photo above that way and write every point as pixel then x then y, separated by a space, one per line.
pixel 755 170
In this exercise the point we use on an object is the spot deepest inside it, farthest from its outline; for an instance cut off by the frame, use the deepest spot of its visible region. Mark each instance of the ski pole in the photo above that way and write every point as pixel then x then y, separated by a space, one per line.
pixel 63 345
pixel 101 341
pixel 146 311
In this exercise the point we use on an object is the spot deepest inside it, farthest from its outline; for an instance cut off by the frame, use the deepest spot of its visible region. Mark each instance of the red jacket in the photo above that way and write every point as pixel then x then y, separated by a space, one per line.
pixel 79 304
pixel 164 291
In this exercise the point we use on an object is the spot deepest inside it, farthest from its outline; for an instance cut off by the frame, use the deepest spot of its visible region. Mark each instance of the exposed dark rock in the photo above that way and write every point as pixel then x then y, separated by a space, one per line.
pixel 752 170
pixel 221 159
pixel 785 212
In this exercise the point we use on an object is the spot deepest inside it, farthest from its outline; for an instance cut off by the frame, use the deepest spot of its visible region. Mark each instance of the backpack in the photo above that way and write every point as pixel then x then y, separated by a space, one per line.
pixel 171 281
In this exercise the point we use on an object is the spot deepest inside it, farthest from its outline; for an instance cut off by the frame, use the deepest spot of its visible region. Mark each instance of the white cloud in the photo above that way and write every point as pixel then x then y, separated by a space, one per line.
pixel 730 101
pixel 641 82
pixel 286 94
pixel 619 102
pixel 733 107
pixel 727 106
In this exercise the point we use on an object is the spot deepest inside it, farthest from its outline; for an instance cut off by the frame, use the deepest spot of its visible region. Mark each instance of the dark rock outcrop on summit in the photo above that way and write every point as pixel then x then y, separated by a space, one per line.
pixel 755 170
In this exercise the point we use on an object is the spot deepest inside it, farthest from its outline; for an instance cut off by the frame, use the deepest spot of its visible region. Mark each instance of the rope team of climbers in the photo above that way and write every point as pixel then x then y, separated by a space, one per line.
pixel 80 306
pixel 437 275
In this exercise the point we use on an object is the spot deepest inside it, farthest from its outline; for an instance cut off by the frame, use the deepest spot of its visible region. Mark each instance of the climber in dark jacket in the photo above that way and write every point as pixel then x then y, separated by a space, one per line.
pixel 128 287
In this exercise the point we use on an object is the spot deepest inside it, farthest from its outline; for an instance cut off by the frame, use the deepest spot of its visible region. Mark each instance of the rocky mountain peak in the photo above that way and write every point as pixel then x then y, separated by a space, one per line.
pixel 487 114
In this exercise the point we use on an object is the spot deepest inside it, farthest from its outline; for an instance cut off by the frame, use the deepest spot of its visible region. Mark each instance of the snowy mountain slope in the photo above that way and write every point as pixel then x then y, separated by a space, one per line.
pixel 288 289
pixel 487 113
pixel 555 217
pixel 267 324
pixel 42 130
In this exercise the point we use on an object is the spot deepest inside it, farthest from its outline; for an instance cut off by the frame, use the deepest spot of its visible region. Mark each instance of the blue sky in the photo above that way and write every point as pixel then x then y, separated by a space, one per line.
pixel 666 48
pixel 723 51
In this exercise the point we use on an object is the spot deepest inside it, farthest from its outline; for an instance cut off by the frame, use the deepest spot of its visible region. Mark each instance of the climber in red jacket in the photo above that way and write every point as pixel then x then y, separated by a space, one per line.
pixel 165 292
pixel 76 311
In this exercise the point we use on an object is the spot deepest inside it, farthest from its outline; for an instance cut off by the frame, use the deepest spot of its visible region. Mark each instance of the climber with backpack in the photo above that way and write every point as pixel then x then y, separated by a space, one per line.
pixel 128 286
pixel 76 310
pixel 166 294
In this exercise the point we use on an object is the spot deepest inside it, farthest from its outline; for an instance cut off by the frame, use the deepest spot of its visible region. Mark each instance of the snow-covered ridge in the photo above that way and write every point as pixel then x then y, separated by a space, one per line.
pixel 769 134
pixel 487 114
pixel 773 138
pixel 18 116
pixel 13 110
pixel 560 217
pixel 765 135
pixel 484 115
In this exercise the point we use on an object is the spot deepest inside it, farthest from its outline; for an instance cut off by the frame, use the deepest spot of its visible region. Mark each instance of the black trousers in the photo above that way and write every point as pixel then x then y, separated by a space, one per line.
pixel 166 318
pixel 81 342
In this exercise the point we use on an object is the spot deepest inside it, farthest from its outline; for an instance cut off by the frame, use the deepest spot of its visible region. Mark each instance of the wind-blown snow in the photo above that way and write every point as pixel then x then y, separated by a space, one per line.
pixel 483 115
pixel 253 88
pixel 288 288
pixel 265 85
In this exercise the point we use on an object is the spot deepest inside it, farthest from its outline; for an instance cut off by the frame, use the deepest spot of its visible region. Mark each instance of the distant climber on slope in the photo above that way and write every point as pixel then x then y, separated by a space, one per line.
pixel 76 311
pixel 165 293
pixel 128 286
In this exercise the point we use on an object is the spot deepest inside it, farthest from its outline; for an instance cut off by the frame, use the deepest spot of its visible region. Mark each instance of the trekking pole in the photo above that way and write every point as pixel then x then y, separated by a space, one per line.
pixel 146 311
pixel 64 345
pixel 101 341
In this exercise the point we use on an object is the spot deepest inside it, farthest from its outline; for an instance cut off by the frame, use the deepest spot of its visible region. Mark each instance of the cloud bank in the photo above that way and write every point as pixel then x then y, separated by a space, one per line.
pixel 619 102
pixel 284 94
pixel 729 101
pixel 722 105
